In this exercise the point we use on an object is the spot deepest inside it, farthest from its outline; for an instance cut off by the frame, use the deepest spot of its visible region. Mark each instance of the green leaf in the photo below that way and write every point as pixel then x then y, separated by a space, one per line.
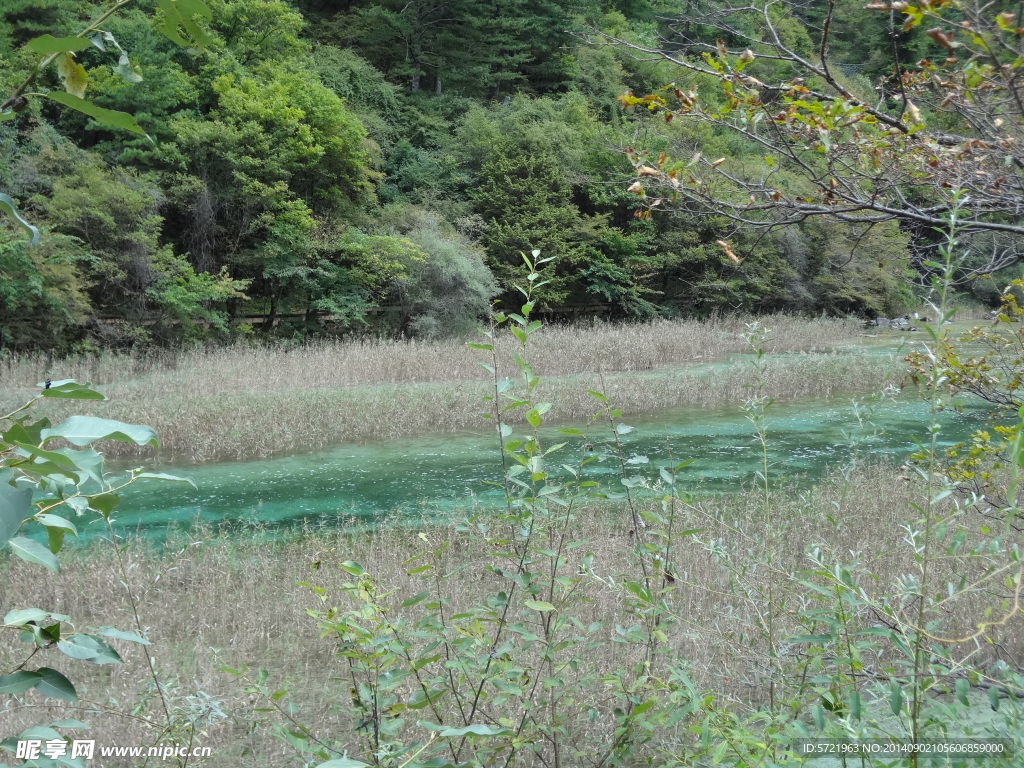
pixel 69 389
pixel 48 457
pixel 476 729
pixel 180 15
pixel 56 521
pixel 640 591
pixel 17 682
pixel 15 504
pixel 104 503
pixel 87 462
pixel 993 698
pixel 109 117
pixel 50 44
pixel 895 697
pixel 533 417
pixel 813 639
pixel 122 634
pixel 351 566
pixel 21 616
pixel 963 687
pixel 88 648
pixel 32 551
pixel 7 206
pixel 419 699
pixel 538 605
pixel 343 762
pixel 83 430
pixel 55 685
pixel 55 539
pixel 39 732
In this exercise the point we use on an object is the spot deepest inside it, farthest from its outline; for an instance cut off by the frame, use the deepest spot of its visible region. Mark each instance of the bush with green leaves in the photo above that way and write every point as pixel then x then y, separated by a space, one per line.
pixel 575 659
pixel 52 481
pixel 448 291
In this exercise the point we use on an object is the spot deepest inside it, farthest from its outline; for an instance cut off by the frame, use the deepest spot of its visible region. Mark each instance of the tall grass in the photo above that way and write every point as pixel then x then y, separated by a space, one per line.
pixel 211 600
pixel 559 351
pixel 251 402
pixel 198 426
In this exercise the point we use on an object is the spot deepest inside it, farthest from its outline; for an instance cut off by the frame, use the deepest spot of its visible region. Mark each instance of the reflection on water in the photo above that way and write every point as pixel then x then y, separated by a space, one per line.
pixel 430 474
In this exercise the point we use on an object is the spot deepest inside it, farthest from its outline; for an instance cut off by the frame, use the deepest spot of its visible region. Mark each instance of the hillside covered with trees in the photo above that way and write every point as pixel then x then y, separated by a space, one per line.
pixel 330 167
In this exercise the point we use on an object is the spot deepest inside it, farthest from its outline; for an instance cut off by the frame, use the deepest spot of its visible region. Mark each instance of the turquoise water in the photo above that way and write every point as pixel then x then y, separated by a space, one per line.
pixel 437 473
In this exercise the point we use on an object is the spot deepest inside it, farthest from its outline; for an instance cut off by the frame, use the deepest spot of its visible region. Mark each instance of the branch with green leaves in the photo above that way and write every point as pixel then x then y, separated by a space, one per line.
pixel 179 20
pixel 50 474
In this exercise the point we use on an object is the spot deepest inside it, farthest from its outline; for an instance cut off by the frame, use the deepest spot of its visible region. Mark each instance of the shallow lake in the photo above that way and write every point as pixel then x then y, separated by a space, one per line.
pixel 442 472
pixel 436 473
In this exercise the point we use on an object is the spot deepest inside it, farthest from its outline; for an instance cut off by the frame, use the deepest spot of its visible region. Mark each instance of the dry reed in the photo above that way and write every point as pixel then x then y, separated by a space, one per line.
pixel 556 351
pixel 211 600
pixel 249 402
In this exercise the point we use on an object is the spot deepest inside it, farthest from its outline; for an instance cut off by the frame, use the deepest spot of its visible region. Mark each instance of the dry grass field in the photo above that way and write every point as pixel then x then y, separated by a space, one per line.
pixel 250 402
pixel 208 601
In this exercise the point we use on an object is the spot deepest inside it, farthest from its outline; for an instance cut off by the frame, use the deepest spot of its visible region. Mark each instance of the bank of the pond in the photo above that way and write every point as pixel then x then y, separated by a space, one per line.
pixel 196 426
pixel 208 601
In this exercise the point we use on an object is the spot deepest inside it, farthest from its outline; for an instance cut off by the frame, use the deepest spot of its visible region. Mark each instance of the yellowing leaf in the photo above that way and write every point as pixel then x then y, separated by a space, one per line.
pixel 72 74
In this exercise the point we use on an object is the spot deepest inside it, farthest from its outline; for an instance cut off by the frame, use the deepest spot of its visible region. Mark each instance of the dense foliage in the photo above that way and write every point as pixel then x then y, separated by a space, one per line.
pixel 324 168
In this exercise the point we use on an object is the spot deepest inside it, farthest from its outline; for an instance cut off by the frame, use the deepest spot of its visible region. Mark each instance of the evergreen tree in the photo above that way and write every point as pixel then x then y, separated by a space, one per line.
pixel 525 203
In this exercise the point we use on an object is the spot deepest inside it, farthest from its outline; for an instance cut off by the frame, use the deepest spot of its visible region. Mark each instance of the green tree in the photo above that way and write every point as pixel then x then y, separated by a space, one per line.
pixel 113 225
pixel 860 270
pixel 524 201
pixel 275 153
pixel 42 292
pixel 448 291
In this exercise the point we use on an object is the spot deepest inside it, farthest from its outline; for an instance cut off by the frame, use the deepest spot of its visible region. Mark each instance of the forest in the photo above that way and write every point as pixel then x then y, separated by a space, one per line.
pixel 379 167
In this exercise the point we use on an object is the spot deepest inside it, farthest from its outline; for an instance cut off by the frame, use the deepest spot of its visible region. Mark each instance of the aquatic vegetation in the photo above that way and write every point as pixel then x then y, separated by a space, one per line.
pixel 250 402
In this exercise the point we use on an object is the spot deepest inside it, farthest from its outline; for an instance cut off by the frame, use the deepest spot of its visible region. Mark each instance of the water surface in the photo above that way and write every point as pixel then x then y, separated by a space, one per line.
pixel 436 473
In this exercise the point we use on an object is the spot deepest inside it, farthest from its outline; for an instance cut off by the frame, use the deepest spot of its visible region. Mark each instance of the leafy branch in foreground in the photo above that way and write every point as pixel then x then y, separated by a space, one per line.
pixel 51 477
pixel 822 143
pixel 178 23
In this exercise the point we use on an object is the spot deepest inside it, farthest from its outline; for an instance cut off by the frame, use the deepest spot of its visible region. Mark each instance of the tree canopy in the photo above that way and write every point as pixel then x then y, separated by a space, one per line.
pixel 265 174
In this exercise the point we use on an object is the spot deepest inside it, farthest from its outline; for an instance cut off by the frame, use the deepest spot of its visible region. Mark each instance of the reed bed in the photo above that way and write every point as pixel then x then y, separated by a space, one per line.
pixel 197 426
pixel 555 351
pixel 211 600
pixel 250 402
